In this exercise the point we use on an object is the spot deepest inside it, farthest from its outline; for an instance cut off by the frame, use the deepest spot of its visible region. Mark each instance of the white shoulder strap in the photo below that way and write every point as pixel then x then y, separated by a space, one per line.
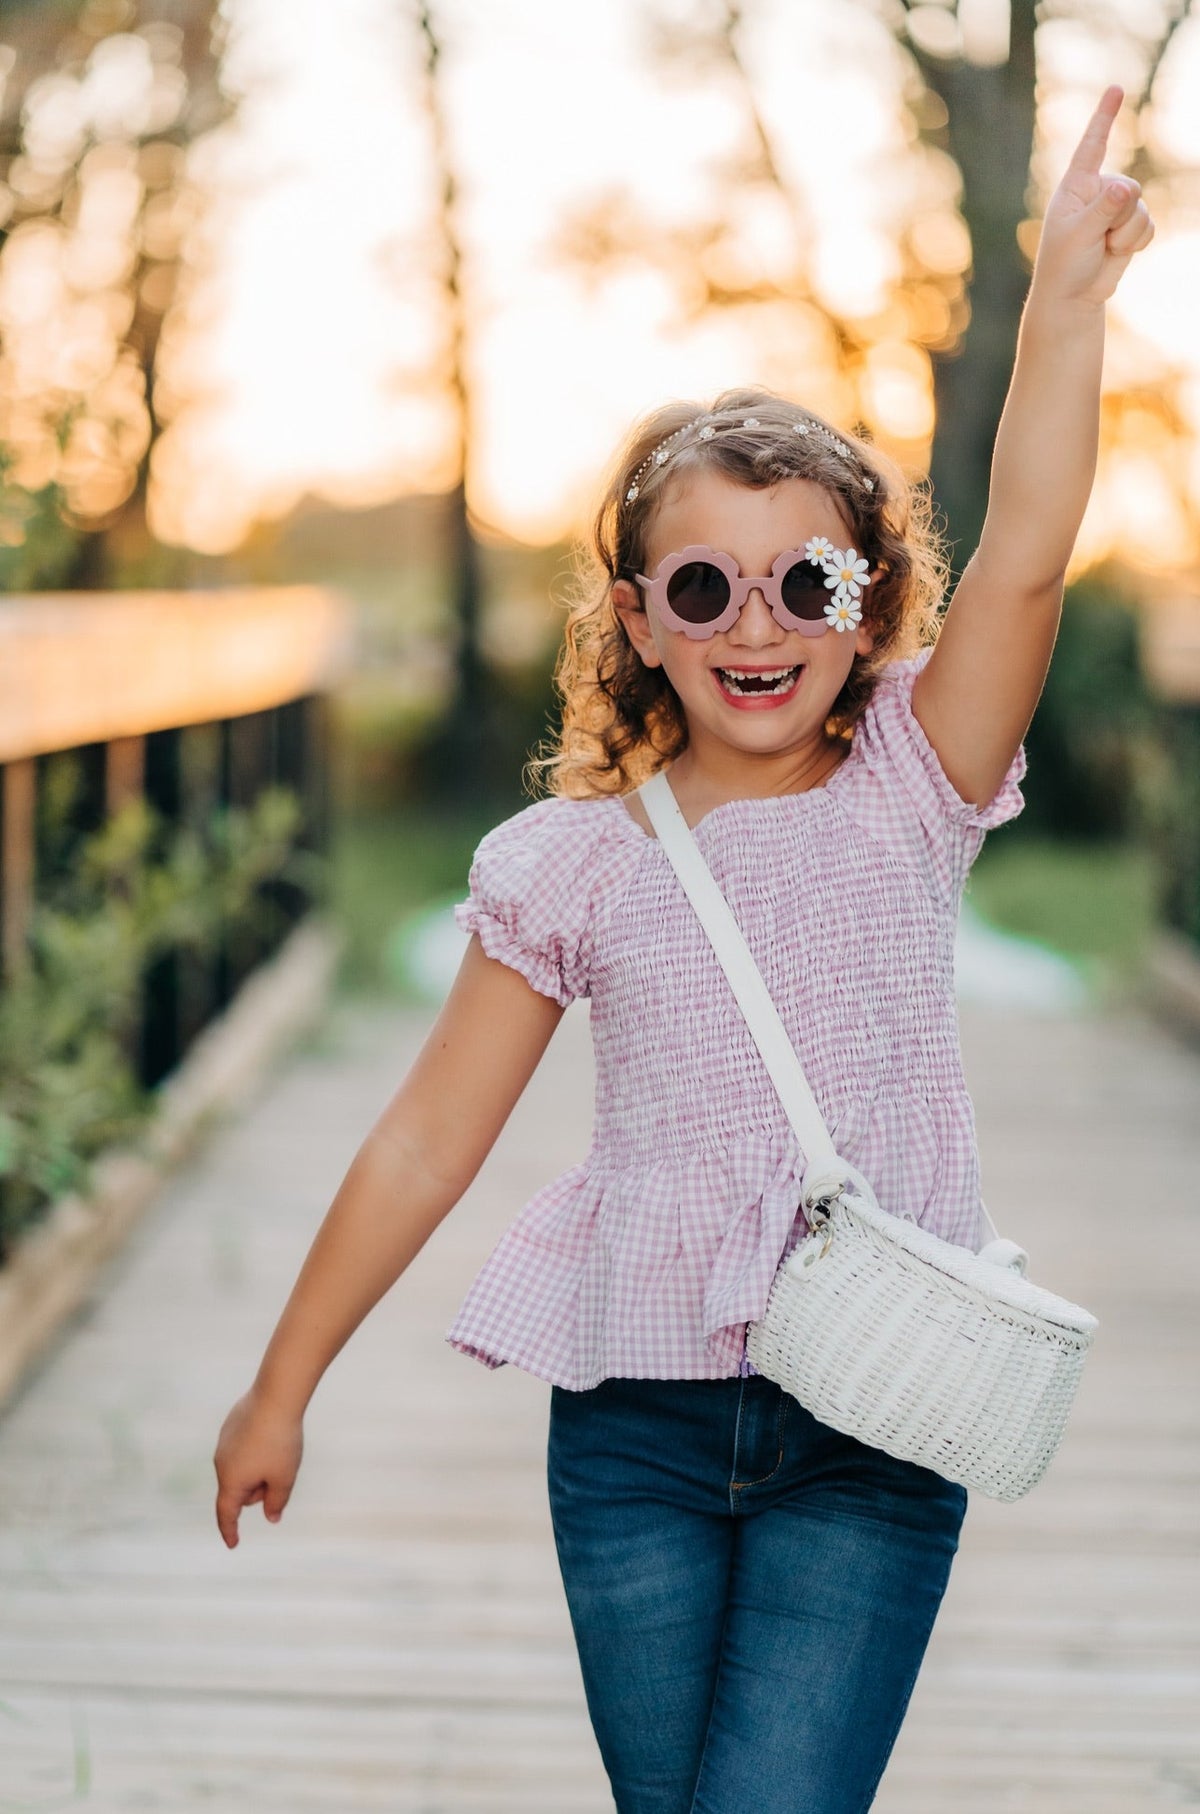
pixel 825 1172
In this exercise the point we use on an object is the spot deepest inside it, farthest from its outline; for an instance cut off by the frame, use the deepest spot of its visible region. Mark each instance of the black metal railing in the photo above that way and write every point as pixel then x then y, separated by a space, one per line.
pixel 206 775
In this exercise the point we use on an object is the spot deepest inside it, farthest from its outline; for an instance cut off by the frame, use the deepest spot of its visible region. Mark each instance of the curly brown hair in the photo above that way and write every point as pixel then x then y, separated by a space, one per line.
pixel 622 720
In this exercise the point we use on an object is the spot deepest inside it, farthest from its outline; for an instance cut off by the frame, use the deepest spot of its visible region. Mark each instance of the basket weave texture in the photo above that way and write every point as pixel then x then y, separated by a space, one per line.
pixel 919 1347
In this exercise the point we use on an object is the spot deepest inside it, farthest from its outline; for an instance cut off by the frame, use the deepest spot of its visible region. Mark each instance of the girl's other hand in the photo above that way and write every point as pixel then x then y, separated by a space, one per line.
pixel 1093 223
pixel 257 1458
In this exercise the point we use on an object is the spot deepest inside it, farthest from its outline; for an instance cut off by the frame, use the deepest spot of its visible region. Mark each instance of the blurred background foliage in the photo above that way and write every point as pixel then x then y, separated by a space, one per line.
pixel 115 903
pixel 115 134
pixel 101 102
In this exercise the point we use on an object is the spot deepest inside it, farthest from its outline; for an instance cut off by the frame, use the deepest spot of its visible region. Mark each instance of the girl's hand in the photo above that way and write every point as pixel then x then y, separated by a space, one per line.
pixel 1093 224
pixel 257 1458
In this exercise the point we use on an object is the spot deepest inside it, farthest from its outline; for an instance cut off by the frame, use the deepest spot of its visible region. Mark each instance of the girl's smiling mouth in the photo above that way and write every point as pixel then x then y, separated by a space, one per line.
pixel 757 688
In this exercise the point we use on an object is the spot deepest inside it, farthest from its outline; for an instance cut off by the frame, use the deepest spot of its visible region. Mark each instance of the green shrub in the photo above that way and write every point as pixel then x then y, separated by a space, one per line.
pixel 1169 804
pixel 1088 740
pixel 69 1016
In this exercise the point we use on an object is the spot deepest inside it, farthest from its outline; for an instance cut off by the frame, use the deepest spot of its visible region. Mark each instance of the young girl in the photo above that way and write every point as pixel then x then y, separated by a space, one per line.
pixel 751 1592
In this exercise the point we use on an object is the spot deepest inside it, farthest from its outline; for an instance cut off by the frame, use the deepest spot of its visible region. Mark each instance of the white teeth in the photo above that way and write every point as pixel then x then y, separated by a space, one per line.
pixel 784 677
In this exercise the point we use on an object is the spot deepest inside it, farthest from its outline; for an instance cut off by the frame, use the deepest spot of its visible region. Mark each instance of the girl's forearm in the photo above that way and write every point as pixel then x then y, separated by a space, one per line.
pixel 1044 462
pixel 388 1205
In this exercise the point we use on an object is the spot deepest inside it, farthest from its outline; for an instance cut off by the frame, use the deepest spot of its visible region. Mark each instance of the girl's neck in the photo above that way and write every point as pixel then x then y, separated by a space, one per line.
pixel 703 777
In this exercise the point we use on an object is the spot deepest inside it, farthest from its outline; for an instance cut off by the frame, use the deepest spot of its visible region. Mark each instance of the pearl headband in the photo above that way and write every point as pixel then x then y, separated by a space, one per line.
pixel 708 430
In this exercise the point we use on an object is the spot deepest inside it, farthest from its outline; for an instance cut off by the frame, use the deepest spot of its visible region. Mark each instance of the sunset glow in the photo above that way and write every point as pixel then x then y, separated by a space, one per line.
pixel 561 364
pixel 308 355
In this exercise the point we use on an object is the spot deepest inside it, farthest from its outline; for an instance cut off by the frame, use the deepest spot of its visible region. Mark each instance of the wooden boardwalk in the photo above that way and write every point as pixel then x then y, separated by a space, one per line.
pixel 400 1641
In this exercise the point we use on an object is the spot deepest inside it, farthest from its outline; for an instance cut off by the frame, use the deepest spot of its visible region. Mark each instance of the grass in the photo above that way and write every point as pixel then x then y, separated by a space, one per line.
pixel 1094 902
pixel 387 866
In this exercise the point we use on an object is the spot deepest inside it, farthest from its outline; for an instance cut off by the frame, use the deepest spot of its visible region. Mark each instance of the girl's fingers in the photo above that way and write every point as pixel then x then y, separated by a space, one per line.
pixel 232 1500
pixel 1130 229
pixel 1132 234
pixel 1111 211
pixel 228 1509
pixel 1089 153
pixel 274 1503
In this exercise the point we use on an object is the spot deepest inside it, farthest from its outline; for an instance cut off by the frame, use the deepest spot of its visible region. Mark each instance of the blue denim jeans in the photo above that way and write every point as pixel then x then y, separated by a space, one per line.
pixel 751 1592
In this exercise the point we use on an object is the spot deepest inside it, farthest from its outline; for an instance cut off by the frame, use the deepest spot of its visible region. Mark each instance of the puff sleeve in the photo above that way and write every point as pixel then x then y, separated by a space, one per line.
pixel 530 897
pixel 908 800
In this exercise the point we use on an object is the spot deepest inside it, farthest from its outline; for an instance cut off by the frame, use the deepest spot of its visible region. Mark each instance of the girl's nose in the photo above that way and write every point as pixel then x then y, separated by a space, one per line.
pixel 756 626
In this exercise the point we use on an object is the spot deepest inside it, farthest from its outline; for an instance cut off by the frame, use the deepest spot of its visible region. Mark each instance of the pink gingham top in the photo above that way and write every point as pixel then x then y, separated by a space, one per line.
pixel 648 1257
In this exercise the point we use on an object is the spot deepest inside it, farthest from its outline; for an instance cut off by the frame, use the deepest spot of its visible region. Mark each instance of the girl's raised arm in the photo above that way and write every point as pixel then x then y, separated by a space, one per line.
pixel 977 693
pixel 408 1174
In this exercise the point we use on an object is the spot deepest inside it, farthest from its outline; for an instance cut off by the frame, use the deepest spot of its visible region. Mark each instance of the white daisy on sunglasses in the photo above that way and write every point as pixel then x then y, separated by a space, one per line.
pixel 843 611
pixel 846 572
pixel 820 548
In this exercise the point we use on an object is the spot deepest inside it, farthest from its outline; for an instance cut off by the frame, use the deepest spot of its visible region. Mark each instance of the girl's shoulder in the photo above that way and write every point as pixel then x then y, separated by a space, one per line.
pixel 891 735
pixel 535 883
pixel 903 795
pixel 559 828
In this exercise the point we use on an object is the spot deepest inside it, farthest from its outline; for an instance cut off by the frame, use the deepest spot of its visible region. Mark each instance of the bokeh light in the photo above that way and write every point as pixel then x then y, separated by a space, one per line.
pixel 305 350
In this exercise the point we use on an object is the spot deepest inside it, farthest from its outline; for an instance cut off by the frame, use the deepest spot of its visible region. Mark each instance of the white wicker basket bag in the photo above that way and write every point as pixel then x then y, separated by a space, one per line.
pixel 938 1355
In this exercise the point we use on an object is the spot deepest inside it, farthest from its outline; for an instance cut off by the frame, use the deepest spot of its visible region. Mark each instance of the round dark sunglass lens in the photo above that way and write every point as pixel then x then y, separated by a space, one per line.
pixel 804 591
pixel 698 592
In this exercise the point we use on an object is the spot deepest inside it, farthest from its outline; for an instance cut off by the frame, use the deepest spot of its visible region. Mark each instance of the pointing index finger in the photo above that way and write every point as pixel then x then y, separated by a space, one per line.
pixel 1089 153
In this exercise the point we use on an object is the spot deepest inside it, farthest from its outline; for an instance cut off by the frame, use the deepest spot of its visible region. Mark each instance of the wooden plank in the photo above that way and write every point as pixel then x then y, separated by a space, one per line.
pixel 78 668
pixel 18 799
pixel 400 1641
pixel 124 772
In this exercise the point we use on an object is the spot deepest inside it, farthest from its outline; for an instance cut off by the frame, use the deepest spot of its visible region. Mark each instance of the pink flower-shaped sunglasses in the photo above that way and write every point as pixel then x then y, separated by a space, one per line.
pixel 701 591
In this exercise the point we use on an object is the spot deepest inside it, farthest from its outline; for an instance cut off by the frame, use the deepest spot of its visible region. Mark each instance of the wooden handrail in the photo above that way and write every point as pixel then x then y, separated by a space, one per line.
pixel 78 668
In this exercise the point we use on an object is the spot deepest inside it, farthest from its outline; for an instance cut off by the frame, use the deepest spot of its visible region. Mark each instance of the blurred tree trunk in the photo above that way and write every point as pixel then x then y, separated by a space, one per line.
pixel 458 758
pixel 155 284
pixel 992 112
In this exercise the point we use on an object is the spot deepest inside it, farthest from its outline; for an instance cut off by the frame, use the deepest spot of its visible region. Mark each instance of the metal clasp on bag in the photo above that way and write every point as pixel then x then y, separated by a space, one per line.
pixel 819 1221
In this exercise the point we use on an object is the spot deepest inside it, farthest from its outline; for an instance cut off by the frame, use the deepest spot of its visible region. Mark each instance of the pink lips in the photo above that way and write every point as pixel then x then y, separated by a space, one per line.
pixel 755 702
